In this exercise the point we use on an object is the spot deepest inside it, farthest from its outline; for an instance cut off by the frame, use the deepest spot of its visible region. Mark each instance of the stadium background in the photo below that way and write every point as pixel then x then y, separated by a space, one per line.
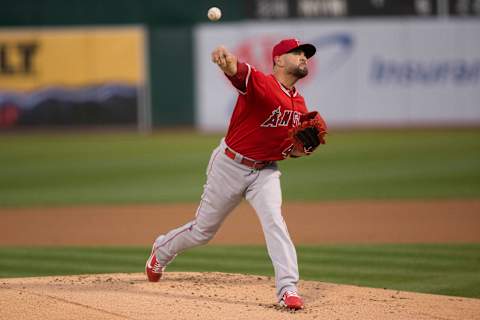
pixel 80 150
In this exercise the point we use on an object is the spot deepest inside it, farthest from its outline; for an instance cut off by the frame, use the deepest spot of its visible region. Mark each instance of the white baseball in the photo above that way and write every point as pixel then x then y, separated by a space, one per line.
pixel 214 14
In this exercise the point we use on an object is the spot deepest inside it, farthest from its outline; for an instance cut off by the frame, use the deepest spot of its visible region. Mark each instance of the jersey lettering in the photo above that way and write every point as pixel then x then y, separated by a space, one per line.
pixel 296 119
pixel 287 150
pixel 287 114
pixel 273 119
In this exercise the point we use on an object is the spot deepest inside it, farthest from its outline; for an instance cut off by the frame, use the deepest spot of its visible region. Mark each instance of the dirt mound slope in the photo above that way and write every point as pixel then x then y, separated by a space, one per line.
pixel 212 296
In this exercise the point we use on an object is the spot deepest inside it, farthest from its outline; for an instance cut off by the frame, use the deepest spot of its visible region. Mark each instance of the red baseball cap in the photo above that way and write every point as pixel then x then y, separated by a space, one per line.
pixel 288 45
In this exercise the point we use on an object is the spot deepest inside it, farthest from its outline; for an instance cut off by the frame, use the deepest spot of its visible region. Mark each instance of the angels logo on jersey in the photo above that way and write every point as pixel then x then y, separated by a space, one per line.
pixel 283 119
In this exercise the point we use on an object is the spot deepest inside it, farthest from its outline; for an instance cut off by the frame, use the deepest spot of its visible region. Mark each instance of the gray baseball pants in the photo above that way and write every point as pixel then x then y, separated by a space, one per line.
pixel 228 182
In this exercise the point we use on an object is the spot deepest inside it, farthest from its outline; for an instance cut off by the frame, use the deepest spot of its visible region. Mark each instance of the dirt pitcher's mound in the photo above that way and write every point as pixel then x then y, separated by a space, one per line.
pixel 212 296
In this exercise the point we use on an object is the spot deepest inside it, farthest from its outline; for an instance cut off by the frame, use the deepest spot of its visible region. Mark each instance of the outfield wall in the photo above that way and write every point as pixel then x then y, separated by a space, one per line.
pixel 366 72
pixel 72 76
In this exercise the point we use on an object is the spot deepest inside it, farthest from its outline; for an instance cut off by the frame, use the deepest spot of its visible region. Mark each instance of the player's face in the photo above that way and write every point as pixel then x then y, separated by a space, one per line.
pixel 296 63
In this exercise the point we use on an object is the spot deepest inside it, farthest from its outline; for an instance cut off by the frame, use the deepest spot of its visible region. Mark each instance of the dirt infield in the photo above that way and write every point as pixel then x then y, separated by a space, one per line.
pixel 308 223
pixel 212 296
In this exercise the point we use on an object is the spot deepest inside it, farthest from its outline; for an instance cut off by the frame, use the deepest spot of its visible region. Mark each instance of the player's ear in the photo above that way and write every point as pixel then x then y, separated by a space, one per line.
pixel 278 61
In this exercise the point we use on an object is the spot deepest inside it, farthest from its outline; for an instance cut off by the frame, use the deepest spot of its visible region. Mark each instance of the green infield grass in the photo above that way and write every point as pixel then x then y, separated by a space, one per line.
pixel 451 269
pixel 94 168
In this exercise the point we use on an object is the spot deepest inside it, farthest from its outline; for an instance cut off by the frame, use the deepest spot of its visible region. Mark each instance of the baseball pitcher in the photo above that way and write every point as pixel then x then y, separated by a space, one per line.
pixel 270 123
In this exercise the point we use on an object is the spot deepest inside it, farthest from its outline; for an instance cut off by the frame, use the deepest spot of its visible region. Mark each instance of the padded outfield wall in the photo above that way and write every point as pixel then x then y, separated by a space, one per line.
pixel 72 76
pixel 384 73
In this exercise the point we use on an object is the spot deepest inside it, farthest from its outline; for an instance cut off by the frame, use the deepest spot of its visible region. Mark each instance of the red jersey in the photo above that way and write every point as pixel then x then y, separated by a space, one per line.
pixel 264 113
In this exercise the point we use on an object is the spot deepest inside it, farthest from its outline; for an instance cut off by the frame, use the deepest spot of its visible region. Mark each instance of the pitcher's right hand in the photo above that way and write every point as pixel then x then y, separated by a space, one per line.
pixel 226 61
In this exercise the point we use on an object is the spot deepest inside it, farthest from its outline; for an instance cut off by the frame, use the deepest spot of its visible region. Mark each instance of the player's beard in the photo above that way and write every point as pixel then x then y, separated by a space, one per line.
pixel 300 71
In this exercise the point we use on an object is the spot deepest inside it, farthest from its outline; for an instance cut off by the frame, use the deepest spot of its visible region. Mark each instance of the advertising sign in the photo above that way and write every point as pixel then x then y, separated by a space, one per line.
pixel 70 76
pixel 365 72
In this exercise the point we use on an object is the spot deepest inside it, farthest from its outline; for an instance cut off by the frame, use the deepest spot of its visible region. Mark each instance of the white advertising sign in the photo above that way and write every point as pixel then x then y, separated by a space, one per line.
pixel 365 72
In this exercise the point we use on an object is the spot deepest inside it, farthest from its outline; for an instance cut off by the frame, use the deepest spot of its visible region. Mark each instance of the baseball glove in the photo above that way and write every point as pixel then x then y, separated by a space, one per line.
pixel 309 134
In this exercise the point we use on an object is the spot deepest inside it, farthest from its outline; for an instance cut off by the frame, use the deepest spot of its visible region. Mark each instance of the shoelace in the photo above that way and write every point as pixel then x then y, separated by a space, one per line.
pixel 157 268
pixel 290 294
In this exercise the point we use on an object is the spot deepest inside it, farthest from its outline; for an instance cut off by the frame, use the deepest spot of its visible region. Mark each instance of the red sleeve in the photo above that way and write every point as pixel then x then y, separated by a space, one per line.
pixel 239 80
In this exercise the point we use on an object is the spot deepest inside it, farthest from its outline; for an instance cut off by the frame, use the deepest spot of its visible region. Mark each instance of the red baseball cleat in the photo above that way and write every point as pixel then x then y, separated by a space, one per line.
pixel 153 269
pixel 291 300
